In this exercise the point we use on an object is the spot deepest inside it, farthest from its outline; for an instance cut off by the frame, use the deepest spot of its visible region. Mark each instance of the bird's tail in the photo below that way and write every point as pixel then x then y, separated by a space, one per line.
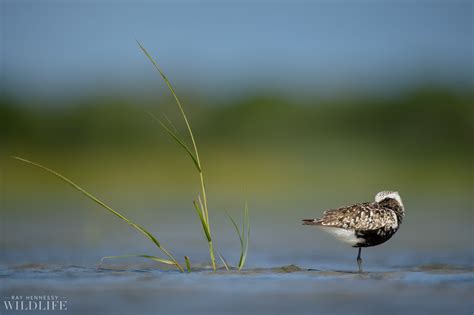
pixel 311 222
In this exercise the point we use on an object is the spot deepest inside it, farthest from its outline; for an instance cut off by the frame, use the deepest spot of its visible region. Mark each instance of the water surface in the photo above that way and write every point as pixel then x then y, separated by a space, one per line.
pixel 144 289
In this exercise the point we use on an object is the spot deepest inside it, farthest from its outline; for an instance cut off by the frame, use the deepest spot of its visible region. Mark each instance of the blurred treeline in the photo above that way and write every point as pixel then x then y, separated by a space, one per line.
pixel 263 144
pixel 426 121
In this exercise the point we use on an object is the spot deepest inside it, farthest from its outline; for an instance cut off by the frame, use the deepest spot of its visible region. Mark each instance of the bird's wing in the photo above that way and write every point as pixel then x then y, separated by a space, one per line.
pixel 363 216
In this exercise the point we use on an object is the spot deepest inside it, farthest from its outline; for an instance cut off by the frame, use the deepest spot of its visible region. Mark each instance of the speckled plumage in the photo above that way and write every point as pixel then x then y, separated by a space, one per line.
pixel 363 216
pixel 364 224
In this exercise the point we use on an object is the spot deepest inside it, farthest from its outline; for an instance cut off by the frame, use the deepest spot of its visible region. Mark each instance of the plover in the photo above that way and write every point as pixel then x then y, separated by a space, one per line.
pixel 364 224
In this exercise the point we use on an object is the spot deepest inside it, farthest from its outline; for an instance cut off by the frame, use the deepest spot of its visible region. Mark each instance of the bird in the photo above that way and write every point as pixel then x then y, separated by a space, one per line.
pixel 364 224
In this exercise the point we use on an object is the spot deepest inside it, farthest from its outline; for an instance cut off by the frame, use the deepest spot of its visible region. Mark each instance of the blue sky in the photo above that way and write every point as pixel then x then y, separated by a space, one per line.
pixel 52 47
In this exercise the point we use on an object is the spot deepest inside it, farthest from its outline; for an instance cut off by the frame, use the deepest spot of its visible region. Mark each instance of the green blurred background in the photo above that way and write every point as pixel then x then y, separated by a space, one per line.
pixel 296 109
pixel 273 146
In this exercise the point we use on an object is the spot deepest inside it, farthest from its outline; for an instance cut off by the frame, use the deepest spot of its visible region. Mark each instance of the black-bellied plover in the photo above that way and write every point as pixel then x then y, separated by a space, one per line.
pixel 364 224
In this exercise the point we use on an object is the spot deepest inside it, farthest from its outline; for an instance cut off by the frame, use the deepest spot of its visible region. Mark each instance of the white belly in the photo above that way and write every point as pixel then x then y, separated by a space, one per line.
pixel 346 236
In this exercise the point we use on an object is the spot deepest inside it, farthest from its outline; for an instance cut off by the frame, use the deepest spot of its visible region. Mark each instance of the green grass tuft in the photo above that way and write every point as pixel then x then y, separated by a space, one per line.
pixel 200 205
pixel 244 236
pixel 194 155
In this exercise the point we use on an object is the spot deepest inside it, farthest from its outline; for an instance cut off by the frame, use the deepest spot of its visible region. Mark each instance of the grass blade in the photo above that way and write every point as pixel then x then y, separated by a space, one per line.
pixel 107 207
pixel 154 258
pixel 186 121
pixel 237 230
pixel 203 212
pixel 170 87
pixel 244 236
pixel 178 139
pixel 188 263
pixel 205 226
pixel 247 238
pixel 224 261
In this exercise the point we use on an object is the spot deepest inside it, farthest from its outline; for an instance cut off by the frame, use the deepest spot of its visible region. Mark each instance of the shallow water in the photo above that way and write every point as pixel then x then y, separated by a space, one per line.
pixel 426 268
pixel 141 289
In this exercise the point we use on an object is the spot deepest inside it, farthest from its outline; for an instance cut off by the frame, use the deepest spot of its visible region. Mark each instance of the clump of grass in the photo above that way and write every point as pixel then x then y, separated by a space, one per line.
pixel 244 236
pixel 200 204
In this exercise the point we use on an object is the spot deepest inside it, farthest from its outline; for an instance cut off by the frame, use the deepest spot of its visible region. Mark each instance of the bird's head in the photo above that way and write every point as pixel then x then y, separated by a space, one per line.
pixel 389 195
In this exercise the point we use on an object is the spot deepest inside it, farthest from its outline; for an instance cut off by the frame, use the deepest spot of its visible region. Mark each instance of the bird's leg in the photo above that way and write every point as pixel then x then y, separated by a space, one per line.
pixel 359 260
